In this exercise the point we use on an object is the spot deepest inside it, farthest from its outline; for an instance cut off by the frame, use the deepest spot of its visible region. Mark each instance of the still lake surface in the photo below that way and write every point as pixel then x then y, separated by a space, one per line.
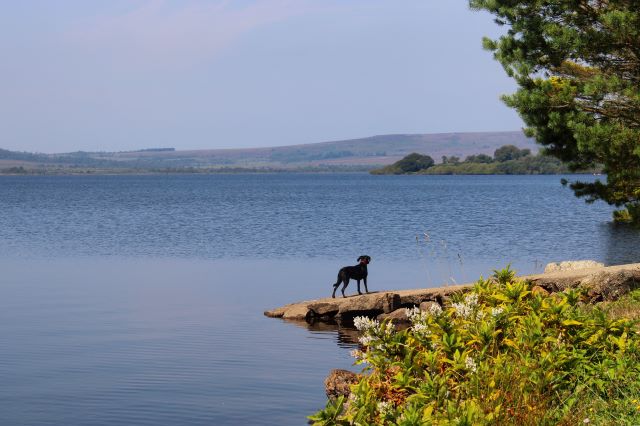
pixel 138 300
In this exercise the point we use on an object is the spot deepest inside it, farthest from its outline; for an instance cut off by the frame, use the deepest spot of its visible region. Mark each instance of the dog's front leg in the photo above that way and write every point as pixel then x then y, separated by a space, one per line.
pixel 365 285
pixel 359 292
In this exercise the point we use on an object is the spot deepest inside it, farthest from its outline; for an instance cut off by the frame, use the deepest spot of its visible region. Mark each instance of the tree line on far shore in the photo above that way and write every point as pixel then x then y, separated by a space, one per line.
pixel 506 160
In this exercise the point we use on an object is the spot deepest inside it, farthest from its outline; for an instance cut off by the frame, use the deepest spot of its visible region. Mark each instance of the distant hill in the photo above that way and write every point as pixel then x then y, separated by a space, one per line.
pixel 363 154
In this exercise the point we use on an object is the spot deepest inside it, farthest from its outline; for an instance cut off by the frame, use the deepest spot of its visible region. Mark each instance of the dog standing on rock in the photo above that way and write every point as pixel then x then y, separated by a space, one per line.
pixel 358 272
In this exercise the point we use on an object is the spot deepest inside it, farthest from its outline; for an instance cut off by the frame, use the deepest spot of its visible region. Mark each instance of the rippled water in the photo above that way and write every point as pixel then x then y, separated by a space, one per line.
pixel 138 300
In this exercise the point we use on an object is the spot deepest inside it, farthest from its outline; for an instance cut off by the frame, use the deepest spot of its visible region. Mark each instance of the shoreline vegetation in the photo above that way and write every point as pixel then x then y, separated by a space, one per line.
pixel 354 155
pixel 505 352
pixel 506 160
pixel 90 171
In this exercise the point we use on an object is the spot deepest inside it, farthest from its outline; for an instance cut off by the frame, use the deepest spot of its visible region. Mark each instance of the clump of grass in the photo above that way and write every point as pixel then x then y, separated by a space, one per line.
pixel 498 354
pixel 627 306
pixel 447 260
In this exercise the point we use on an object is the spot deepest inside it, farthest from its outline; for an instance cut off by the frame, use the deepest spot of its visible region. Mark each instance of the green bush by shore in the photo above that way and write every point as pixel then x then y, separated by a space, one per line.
pixel 499 354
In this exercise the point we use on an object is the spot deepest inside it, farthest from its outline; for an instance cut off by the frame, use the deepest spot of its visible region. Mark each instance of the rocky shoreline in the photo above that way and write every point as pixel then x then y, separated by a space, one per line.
pixel 600 283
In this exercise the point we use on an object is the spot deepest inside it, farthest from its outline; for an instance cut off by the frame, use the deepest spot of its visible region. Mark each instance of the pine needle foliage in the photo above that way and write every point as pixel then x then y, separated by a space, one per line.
pixel 577 65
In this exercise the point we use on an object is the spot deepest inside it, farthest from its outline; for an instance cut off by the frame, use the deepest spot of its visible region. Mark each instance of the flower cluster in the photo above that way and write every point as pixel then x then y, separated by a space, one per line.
pixel 471 365
pixel 366 339
pixel 496 311
pixel 415 314
pixel 466 308
pixel 365 324
pixel 468 352
pixel 373 333
pixel 435 309
pixel 421 329
pixel 385 407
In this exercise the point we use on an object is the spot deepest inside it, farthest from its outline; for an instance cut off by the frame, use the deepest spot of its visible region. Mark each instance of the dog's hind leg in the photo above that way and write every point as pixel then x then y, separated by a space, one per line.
pixel 346 283
pixel 359 292
pixel 365 285
pixel 335 287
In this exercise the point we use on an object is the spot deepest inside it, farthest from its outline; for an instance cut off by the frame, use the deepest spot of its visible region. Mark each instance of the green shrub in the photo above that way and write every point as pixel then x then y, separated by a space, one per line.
pixel 498 354
pixel 412 163
pixel 629 214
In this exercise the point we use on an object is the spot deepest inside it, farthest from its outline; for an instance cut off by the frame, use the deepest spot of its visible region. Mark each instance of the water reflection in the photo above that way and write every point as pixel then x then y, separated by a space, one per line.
pixel 345 333
pixel 622 243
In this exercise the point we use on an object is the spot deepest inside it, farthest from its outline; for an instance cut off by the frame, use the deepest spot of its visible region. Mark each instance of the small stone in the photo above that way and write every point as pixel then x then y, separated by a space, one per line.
pixel 399 315
pixel 539 290
pixel 429 305
pixel 572 265
pixel 339 383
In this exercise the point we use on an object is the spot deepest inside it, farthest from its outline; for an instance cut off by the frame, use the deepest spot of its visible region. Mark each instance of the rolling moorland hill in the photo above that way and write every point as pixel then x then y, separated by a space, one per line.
pixel 354 154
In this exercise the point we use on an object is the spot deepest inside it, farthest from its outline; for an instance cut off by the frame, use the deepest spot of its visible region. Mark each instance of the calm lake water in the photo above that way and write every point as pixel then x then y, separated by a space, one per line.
pixel 138 300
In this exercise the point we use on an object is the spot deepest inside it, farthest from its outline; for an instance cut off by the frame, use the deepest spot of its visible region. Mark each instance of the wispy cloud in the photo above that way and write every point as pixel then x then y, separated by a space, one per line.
pixel 159 33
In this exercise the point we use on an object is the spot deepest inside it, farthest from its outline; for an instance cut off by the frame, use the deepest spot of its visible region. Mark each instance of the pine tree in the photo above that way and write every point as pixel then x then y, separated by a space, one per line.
pixel 577 65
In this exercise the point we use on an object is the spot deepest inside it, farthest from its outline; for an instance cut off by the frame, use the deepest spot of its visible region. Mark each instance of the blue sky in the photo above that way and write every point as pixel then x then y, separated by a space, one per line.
pixel 194 74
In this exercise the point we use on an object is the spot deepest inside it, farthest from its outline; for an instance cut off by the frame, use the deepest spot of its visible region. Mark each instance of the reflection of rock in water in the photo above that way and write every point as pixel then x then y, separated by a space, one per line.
pixel 623 244
pixel 345 333
pixel 348 337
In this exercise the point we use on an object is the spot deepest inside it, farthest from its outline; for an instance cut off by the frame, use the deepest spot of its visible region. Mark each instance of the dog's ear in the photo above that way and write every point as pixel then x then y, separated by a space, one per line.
pixel 359 259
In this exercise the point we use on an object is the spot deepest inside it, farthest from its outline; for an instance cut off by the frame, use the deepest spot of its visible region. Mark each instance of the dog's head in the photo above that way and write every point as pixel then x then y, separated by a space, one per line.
pixel 364 259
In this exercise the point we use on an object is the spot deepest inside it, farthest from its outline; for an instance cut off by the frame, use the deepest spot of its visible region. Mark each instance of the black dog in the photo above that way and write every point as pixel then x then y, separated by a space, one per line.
pixel 357 272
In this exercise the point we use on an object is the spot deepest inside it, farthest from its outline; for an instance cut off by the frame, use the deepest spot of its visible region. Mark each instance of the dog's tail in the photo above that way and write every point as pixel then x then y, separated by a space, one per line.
pixel 339 279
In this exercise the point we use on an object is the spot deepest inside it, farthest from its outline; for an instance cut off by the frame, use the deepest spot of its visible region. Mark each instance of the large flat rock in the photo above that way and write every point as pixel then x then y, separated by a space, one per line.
pixel 600 283
pixel 373 303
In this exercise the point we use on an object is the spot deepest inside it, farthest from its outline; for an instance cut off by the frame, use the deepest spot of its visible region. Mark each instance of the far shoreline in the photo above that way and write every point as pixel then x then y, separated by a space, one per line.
pixel 248 171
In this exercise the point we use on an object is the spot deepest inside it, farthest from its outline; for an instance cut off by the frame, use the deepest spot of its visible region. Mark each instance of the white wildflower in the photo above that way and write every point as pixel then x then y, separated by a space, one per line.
pixel 357 354
pixel 390 328
pixel 496 311
pixel 366 340
pixel 586 420
pixel 353 398
pixel 471 299
pixel 462 309
pixel 465 309
pixel 480 315
pixel 471 365
pixel 422 329
pixel 414 314
pixel 365 324
pixel 385 407
pixel 435 309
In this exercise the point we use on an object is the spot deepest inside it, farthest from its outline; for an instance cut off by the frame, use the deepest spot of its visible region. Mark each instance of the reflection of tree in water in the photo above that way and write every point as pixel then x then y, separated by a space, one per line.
pixel 622 244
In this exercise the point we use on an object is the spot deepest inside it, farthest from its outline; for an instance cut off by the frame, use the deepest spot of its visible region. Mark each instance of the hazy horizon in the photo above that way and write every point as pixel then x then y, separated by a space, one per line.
pixel 150 148
pixel 126 75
